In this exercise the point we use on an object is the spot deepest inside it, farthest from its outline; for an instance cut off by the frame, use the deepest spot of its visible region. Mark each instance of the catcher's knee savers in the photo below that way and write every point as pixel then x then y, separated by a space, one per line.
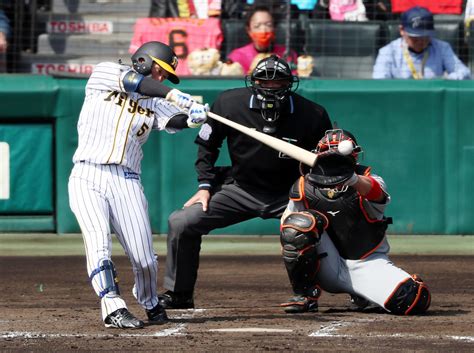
pixel 300 236
pixel 409 298
pixel 107 280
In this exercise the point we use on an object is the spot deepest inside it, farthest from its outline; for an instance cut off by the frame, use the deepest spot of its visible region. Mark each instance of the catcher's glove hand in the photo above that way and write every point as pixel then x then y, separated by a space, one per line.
pixel 331 170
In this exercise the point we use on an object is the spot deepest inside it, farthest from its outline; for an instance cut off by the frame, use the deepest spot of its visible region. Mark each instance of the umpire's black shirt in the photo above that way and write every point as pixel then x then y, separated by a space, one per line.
pixel 256 166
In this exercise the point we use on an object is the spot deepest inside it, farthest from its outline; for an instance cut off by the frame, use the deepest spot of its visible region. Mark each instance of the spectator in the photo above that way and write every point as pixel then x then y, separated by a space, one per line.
pixel 259 179
pixel 453 7
pixel 417 54
pixel 185 8
pixel 347 10
pixel 260 27
pixel 4 35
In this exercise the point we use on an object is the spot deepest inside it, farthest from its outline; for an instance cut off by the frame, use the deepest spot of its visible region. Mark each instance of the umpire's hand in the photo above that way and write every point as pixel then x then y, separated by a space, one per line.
pixel 202 196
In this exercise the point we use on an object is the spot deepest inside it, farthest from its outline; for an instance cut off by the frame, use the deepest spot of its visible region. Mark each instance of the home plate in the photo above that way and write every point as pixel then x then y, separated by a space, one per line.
pixel 250 329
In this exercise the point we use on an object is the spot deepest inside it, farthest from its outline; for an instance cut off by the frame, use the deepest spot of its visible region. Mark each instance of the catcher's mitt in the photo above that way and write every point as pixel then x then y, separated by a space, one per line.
pixel 332 170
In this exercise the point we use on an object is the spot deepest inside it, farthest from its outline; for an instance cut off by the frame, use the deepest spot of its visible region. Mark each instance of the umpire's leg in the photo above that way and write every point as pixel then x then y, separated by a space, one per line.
pixel 229 206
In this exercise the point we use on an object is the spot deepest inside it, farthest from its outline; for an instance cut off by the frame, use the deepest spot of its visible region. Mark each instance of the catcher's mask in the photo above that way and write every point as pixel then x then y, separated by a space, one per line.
pixel 271 83
pixel 333 169
pixel 159 53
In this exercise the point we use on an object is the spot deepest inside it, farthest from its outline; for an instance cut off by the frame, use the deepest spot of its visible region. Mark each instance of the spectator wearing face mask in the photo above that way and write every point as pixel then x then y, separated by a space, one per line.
pixel 260 27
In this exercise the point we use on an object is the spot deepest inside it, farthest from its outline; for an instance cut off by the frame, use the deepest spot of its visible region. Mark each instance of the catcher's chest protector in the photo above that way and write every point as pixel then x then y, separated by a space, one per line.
pixel 351 232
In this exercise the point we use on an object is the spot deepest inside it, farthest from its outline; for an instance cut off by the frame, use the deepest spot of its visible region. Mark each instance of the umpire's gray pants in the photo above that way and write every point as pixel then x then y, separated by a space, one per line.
pixel 231 205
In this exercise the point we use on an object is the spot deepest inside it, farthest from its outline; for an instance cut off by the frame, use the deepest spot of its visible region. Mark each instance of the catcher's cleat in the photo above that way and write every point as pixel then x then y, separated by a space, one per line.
pixel 358 303
pixel 157 315
pixel 172 300
pixel 300 304
pixel 122 318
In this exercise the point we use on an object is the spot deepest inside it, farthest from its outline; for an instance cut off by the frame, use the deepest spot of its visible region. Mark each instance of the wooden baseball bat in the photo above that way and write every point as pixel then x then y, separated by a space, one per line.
pixel 298 153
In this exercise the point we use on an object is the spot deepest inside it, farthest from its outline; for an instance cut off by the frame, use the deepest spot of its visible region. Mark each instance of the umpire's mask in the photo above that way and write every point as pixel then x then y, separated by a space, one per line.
pixel 272 83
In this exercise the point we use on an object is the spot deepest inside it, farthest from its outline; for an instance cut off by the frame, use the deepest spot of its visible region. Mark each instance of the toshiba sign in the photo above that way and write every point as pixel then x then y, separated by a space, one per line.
pixel 54 68
pixel 76 27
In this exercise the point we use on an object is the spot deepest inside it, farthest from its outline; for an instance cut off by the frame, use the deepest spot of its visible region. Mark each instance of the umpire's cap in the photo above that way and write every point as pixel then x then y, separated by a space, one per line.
pixel 159 53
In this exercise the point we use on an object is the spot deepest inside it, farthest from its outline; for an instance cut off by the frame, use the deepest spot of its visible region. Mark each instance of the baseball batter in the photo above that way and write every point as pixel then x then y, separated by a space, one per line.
pixel 122 106
pixel 333 236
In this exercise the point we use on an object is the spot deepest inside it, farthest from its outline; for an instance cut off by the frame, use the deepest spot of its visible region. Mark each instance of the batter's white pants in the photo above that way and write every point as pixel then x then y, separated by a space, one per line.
pixel 104 195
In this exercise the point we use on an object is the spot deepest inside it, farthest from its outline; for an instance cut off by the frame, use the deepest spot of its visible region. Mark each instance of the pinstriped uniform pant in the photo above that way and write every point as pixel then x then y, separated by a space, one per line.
pixel 105 197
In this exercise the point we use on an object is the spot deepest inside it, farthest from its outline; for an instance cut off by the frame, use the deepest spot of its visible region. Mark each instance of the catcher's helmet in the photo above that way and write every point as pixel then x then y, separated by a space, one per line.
pixel 159 53
pixel 332 138
pixel 272 68
pixel 332 169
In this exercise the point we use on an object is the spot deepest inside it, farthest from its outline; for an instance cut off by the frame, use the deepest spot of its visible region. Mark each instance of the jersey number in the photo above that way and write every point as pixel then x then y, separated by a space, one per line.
pixel 143 129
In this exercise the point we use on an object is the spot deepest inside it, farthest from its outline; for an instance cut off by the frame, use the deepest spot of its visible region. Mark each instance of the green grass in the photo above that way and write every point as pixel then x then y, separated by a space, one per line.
pixel 19 244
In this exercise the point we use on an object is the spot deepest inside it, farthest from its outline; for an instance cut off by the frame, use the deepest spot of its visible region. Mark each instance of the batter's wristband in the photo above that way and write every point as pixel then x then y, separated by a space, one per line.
pixel 375 190
pixel 205 186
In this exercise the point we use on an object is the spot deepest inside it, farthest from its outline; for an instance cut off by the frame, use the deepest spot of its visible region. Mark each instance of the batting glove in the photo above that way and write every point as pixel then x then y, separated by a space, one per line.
pixel 197 115
pixel 182 100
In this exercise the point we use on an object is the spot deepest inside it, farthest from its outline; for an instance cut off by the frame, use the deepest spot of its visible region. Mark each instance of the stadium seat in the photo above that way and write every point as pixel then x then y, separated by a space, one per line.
pixel 235 35
pixel 344 49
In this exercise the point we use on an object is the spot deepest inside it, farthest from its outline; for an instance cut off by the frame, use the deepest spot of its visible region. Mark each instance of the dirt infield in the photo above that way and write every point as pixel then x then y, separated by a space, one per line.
pixel 47 305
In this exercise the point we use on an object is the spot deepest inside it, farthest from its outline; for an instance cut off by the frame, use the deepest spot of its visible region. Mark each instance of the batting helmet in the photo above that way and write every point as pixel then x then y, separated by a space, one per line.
pixel 272 68
pixel 159 53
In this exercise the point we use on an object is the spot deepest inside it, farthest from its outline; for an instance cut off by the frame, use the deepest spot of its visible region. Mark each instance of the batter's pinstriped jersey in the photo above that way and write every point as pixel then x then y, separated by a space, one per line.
pixel 113 124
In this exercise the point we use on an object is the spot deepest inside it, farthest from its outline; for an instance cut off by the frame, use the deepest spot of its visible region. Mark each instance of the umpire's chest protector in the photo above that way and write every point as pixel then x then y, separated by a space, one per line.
pixel 352 232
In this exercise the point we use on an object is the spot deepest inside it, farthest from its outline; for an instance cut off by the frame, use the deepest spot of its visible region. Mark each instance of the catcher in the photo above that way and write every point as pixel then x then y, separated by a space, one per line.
pixel 333 236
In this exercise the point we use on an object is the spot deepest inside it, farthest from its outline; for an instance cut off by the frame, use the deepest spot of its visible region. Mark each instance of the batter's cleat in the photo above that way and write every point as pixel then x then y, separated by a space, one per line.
pixel 300 304
pixel 172 300
pixel 157 315
pixel 122 318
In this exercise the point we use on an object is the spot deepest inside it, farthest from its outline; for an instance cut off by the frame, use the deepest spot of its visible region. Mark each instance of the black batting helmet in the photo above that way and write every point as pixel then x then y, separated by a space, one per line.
pixel 159 53
pixel 272 68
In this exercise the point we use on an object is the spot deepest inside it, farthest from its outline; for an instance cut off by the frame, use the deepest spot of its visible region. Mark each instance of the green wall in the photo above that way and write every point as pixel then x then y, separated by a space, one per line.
pixel 417 135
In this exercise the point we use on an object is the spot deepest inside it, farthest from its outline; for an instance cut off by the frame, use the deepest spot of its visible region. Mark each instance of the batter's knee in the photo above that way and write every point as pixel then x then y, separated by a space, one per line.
pixel 411 297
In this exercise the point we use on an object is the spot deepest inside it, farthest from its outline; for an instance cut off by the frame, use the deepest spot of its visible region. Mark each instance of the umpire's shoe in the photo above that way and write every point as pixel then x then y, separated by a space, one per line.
pixel 172 300
pixel 122 318
pixel 300 304
pixel 157 315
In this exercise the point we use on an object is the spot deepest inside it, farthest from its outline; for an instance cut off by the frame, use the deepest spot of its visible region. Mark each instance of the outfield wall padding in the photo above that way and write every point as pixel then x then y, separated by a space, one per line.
pixel 416 134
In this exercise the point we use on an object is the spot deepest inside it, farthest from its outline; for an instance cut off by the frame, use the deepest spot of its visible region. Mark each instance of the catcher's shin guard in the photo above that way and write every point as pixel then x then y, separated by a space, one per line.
pixel 107 278
pixel 300 236
pixel 411 297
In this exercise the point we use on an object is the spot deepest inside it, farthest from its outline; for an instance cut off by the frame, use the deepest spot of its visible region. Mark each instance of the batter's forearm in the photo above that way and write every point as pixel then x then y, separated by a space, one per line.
pixel 152 88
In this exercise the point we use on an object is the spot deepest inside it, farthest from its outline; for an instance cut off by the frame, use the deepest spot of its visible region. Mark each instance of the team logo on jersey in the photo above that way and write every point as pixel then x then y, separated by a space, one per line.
pixel 131 175
pixel 121 98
